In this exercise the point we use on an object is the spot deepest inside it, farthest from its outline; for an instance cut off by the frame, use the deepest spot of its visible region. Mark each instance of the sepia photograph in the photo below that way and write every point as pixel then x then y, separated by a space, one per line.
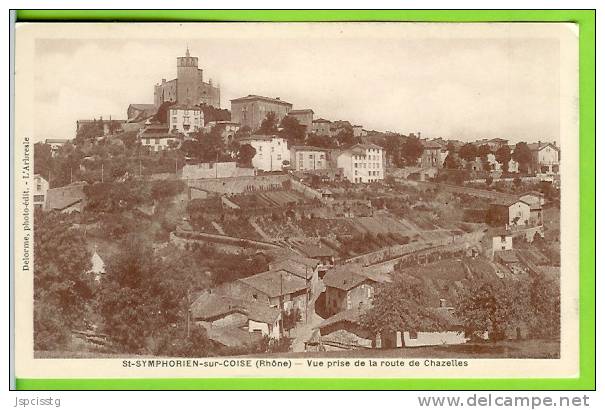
pixel 299 191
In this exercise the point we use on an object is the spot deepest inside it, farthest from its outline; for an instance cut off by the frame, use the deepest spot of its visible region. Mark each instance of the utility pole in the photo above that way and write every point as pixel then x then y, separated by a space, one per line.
pixel 102 170
pixel 188 313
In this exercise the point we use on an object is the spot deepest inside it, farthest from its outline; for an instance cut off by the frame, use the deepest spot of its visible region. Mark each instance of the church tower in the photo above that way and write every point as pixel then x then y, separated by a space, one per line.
pixel 189 78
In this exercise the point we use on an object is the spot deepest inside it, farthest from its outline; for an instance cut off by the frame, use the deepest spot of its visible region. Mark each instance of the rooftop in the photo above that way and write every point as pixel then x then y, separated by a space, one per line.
pixel 274 283
pixel 208 306
pixel 252 97
pixel 322 120
pixel 308 148
pixel 303 111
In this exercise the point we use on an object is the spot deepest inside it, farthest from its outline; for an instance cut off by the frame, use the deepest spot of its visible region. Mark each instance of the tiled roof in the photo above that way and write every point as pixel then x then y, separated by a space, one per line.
pixel 316 251
pixel 349 315
pixel 537 146
pixel 275 283
pixel 308 148
pixel 507 256
pixel 507 201
pixel 349 276
pixel 303 111
pixel 230 336
pixel 209 306
pixel 63 197
pixel 252 97
pixel 431 145
pixel 322 120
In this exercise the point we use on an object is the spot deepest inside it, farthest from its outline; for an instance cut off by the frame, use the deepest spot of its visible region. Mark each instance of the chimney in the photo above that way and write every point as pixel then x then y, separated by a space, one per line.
pixel 419 134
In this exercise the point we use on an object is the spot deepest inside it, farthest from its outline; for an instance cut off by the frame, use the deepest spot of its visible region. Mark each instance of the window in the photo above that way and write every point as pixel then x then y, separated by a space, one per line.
pixel 413 334
pixel 157 141
pixel 278 157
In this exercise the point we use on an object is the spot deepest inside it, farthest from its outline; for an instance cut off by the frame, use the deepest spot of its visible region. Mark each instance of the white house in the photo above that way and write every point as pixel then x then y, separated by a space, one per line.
pixel 40 188
pixel 157 138
pixel 271 152
pixel 98 266
pixel 545 157
pixel 362 163
pixel 55 144
pixel 185 119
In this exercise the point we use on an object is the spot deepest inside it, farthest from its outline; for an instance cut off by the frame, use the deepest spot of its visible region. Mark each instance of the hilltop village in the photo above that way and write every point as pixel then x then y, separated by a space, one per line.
pixel 187 229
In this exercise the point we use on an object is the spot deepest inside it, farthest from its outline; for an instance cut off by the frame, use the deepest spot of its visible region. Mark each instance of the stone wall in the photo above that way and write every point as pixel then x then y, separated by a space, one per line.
pixel 239 185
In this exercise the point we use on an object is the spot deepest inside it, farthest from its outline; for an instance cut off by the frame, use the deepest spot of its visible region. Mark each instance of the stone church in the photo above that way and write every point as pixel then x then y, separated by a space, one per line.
pixel 188 88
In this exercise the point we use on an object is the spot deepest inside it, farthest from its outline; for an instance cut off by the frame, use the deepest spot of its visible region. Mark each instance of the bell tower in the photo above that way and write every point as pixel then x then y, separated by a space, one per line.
pixel 188 79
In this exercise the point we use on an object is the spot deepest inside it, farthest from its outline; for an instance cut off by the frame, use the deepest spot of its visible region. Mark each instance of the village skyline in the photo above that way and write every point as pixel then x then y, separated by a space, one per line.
pixel 466 99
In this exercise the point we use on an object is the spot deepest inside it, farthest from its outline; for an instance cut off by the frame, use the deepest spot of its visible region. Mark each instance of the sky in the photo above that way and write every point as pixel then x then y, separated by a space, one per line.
pixel 464 88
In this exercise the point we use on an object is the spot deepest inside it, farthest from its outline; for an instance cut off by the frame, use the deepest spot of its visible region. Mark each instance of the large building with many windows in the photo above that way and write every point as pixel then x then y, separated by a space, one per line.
pixel 250 111
pixel 362 163
pixel 271 152
pixel 185 119
pixel 305 158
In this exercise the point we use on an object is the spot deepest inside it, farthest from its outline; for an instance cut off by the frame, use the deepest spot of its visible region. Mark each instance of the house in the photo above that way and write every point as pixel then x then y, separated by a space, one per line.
pixel 230 336
pixel 55 144
pixel 250 111
pixel 326 255
pixel 303 267
pixel 275 288
pixel 221 311
pixel 185 119
pixel 509 211
pixel 321 126
pixel 497 240
pixel 158 138
pixel 271 152
pixel 452 335
pixel 140 112
pixel 66 199
pixel 40 188
pixel 362 163
pixel 545 157
pixel 306 158
pixel 513 166
pixel 97 269
pixel 350 286
pixel 304 117
pixel 432 154
pixel 345 329
pixel 536 201
pixel 358 131
pixel 533 198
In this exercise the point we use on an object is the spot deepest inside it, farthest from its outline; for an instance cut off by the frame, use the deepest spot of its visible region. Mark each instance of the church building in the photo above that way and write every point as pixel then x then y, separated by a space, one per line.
pixel 189 87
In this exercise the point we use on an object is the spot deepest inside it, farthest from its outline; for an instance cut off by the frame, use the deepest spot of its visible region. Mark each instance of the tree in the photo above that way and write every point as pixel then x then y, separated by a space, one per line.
pixel 61 286
pixel 90 131
pixel 411 150
pixel 523 156
pixel 483 151
pixel 545 301
pixel 292 130
pixel 210 146
pixel 245 154
pixel 268 125
pixel 451 162
pixel 495 307
pixel 468 152
pixel 400 306
pixel 503 156
pixel 322 141
pixel 161 114
pixel 135 301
